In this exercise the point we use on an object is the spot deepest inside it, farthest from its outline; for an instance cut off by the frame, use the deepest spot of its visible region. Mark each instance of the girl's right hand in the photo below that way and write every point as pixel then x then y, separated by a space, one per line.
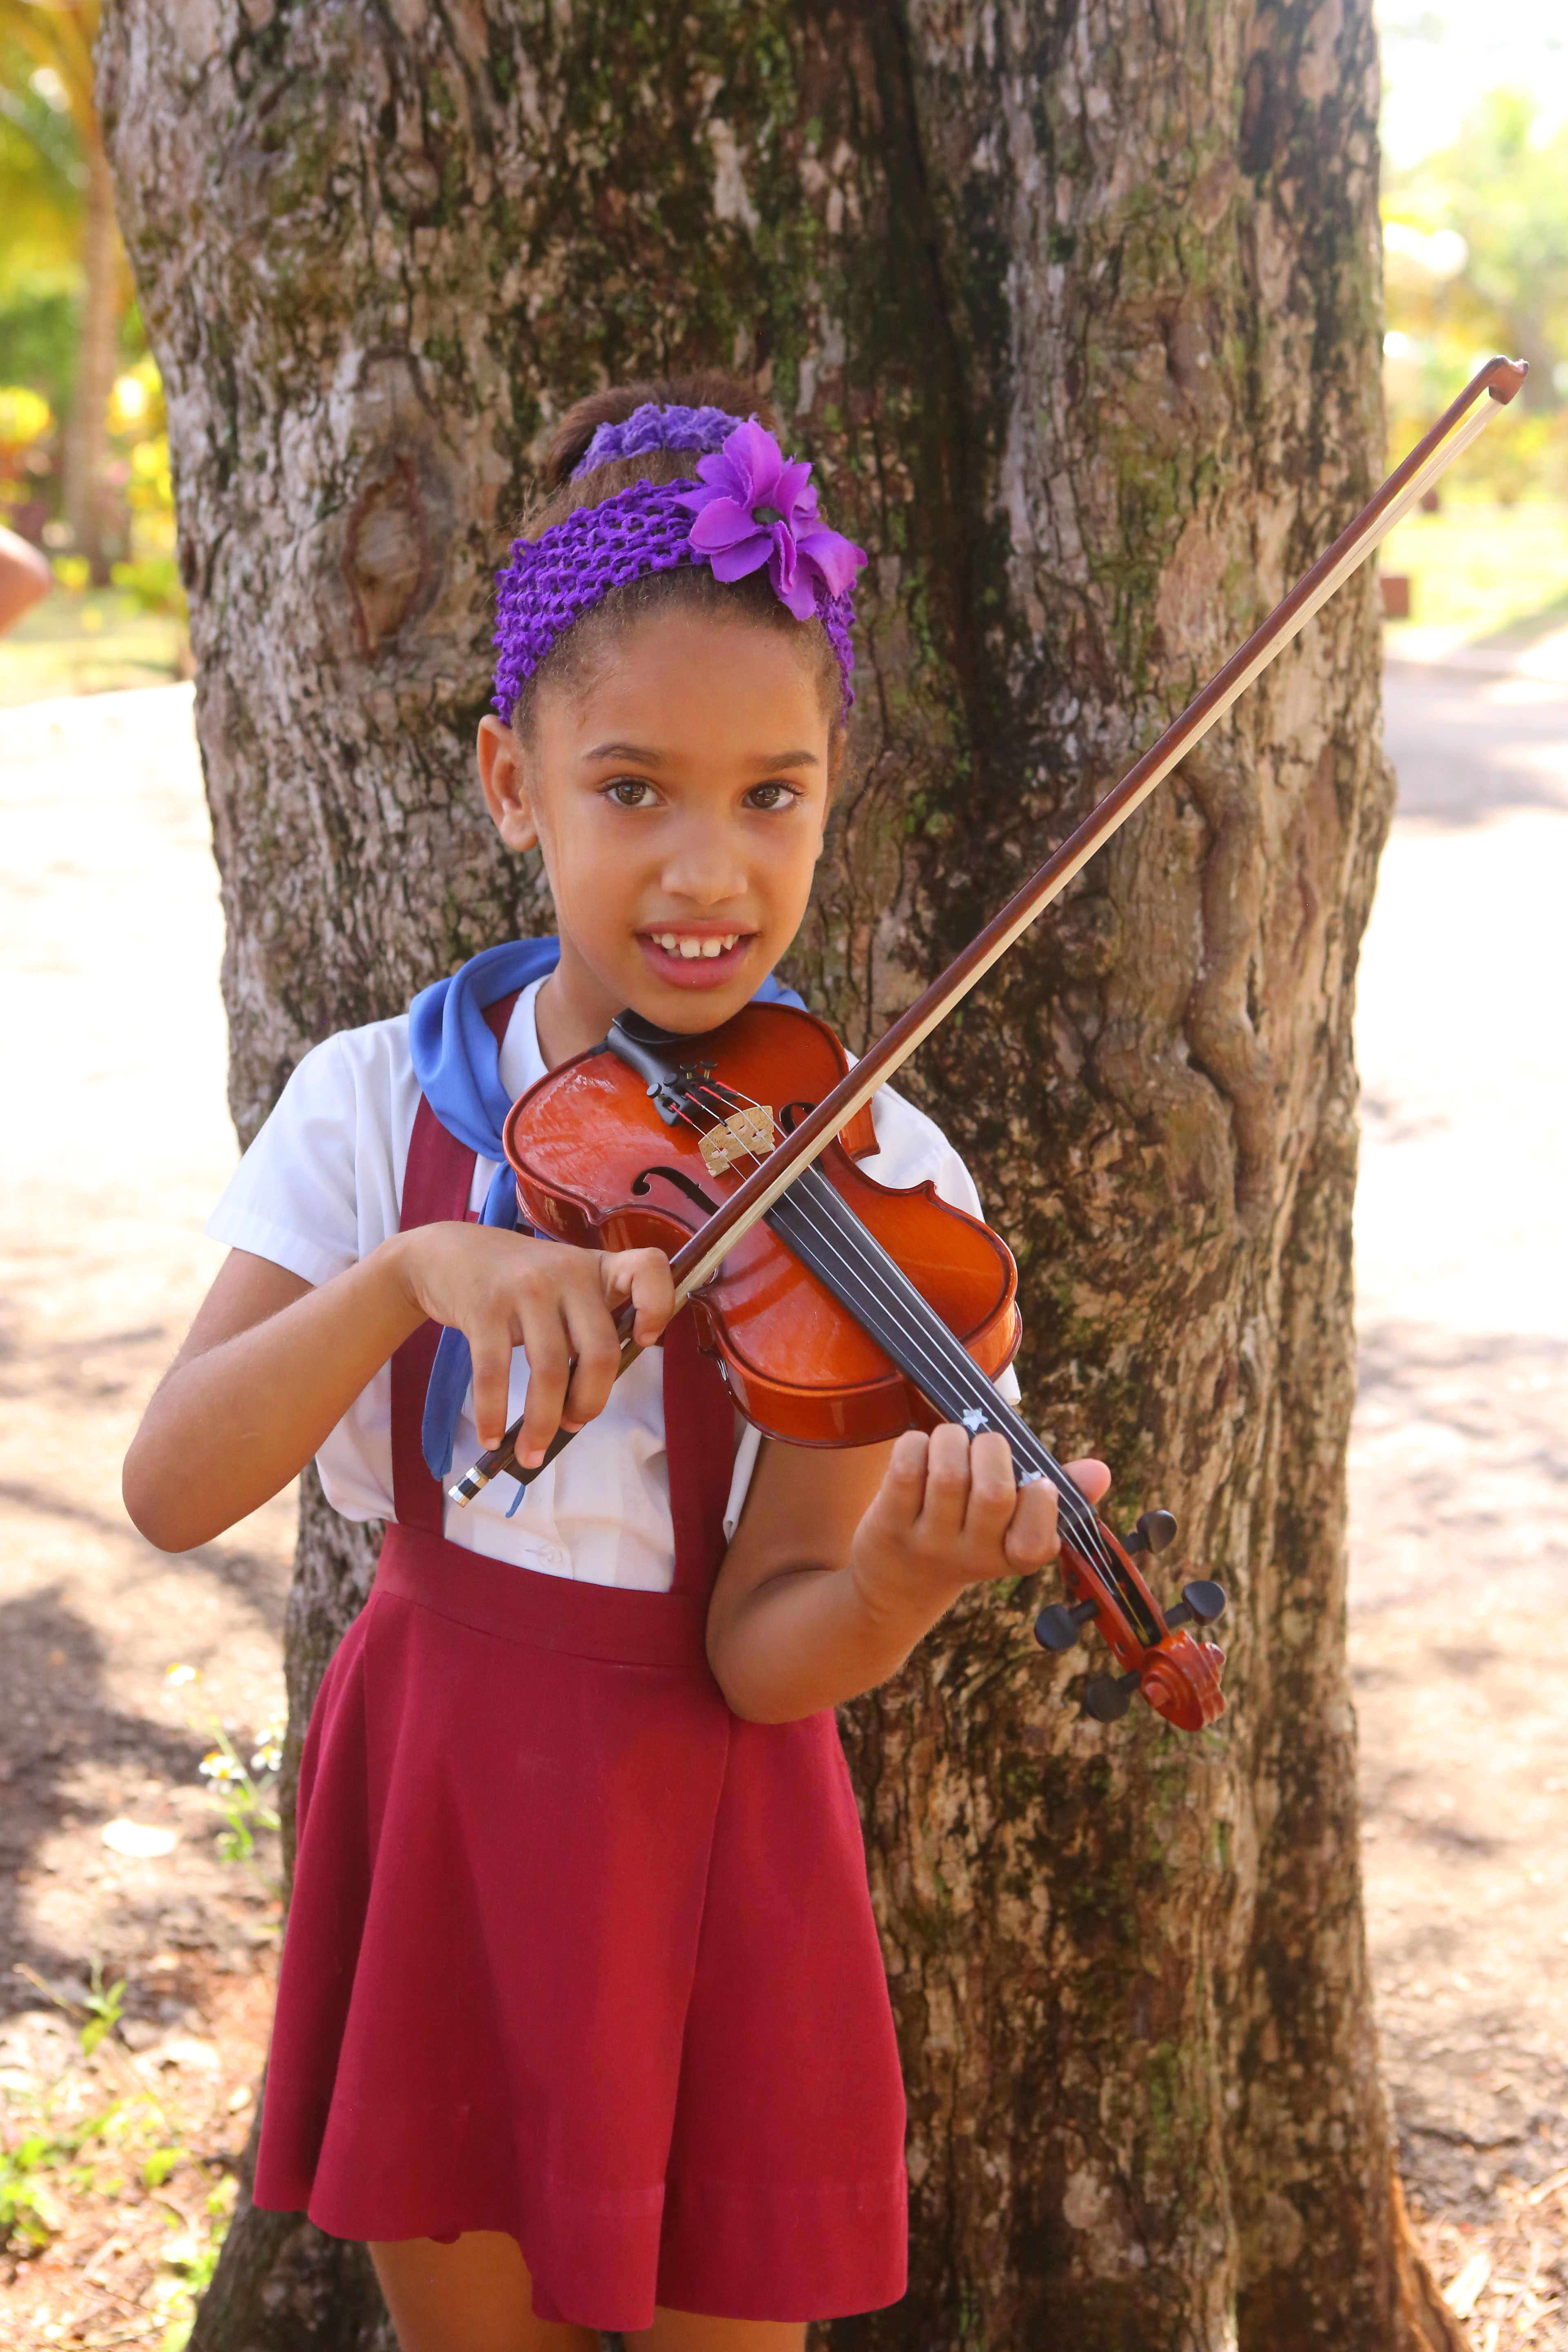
pixel 556 1302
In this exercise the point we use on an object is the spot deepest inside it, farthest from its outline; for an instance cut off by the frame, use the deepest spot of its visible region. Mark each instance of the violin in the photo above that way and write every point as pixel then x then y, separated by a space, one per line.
pixel 842 1311
pixel 849 1311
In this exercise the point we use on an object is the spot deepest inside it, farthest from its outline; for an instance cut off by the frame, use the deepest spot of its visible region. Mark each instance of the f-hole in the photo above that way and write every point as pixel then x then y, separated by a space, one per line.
pixel 677 1176
pixel 792 1115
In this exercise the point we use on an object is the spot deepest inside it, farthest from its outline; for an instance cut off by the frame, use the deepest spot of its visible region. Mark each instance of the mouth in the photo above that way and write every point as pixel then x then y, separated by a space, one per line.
pixel 699 957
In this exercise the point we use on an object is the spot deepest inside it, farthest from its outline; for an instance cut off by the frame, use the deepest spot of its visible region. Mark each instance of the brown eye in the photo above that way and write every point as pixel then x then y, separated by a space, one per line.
pixel 630 792
pixel 771 797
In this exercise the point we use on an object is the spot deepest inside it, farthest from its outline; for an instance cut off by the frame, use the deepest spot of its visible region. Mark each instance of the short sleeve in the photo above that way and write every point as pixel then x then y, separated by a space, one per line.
pixel 318 1189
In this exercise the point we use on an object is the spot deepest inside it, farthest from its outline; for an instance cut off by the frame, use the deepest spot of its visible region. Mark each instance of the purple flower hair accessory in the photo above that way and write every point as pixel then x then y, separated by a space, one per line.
pixel 656 425
pixel 751 509
pixel 756 509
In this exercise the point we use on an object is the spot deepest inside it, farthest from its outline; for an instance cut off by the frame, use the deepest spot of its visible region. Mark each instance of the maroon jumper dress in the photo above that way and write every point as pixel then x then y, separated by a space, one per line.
pixel 574 1953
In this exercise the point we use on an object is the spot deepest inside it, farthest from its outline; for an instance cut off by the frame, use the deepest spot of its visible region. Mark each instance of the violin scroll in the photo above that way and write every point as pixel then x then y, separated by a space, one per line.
pixel 1161 1662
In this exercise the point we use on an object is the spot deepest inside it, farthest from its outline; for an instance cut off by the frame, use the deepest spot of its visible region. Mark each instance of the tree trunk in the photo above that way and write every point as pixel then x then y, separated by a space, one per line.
pixel 1079 306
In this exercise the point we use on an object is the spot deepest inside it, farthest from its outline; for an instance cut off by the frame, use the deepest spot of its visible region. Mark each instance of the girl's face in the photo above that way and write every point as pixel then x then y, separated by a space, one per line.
pixel 679 797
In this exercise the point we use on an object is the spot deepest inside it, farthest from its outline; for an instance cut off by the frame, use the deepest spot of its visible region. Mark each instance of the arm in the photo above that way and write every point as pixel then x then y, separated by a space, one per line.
pixel 26 578
pixel 844 1559
pixel 270 1365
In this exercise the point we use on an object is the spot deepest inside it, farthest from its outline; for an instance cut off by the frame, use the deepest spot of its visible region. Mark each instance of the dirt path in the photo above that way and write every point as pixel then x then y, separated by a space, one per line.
pixel 118 1140
pixel 115 1141
pixel 1460 1476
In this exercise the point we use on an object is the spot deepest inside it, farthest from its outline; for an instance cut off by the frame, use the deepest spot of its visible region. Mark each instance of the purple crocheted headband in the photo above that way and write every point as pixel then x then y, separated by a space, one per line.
pixel 655 426
pixel 749 508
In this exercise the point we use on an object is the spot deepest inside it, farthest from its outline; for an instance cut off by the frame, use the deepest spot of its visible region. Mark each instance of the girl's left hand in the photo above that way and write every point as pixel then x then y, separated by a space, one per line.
pixel 845 1558
pixel 950 1512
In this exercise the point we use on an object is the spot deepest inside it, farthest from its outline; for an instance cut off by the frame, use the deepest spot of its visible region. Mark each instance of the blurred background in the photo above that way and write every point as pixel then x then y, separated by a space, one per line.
pixel 1475 213
pixel 84 454
pixel 139 1694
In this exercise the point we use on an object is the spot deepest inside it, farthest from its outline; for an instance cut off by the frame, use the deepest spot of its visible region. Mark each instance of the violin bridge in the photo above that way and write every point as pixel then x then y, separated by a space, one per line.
pixel 748 1134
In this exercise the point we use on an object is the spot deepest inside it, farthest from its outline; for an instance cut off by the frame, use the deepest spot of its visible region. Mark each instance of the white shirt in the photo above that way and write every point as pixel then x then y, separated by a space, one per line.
pixel 321 1187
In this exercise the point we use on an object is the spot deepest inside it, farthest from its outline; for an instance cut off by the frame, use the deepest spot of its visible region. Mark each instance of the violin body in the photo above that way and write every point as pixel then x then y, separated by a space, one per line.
pixel 598 1164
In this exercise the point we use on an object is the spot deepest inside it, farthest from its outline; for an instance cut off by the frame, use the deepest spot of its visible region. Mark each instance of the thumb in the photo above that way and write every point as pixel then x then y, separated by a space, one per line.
pixel 643 1277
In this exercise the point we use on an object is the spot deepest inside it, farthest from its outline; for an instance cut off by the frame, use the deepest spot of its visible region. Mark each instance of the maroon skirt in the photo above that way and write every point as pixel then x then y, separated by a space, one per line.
pixel 578 1955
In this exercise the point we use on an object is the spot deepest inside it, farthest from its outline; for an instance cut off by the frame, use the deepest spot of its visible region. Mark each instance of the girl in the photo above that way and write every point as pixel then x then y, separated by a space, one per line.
pixel 582 2020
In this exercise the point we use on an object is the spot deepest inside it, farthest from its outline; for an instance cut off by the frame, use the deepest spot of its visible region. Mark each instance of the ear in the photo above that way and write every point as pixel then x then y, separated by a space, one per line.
pixel 503 775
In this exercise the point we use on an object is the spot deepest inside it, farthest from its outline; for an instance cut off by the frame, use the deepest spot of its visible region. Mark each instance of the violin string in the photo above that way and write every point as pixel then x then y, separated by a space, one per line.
pixel 971 1388
pixel 941 1349
pixel 874 1266
pixel 865 1259
pixel 934 1357
pixel 936 1349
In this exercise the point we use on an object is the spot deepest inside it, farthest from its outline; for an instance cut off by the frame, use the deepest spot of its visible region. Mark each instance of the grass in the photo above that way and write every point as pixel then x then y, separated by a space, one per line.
pixel 1486 571
pixel 88 644
pixel 94 2164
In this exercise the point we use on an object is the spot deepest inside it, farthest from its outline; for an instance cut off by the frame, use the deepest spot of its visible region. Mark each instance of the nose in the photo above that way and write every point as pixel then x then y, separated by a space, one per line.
pixel 703 864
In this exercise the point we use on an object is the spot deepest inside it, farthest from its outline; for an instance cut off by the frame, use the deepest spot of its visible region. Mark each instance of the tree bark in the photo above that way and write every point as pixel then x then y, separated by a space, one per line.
pixel 1078 308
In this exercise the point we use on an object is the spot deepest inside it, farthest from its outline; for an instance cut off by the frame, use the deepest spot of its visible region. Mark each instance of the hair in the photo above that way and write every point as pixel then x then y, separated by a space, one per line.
pixel 689 587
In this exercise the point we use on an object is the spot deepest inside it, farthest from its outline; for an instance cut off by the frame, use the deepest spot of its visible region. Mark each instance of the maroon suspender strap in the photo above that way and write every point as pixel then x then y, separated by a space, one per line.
pixel 699 1445
pixel 436 1187
pixel 698 1417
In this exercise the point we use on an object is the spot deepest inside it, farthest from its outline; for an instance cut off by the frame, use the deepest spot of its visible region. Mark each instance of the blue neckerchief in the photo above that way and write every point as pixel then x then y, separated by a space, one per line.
pixel 458 1063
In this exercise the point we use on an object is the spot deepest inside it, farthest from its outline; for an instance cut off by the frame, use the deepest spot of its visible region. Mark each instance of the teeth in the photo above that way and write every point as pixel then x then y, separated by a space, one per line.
pixel 673 944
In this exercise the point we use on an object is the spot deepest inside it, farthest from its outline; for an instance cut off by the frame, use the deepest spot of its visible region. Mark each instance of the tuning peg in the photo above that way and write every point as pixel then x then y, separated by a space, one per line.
pixel 1056 1628
pixel 1154 1531
pixel 1107 1697
pixel 1201 1602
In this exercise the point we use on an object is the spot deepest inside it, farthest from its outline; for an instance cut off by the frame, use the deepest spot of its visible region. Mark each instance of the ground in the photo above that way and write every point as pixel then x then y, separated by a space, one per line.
pixel 1460 1469
pixel 88 641
pixel 116 1141
pixel 119 2160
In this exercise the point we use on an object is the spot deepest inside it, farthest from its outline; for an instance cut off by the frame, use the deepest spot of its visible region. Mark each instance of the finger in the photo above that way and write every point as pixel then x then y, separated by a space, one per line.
pixel 1032 1539
pixel 947 1482
pixel 899 1497
pixel 1092 1478
pixel 545 1343
pixel 643 1277
pixel 992 1489
pixel 596 1346
pixel 490 1348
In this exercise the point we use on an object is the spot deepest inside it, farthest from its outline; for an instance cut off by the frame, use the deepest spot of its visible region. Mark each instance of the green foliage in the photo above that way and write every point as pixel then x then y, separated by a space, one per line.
pixel 104 2005
pixel 39 326
pixel 28 2211
pixel 44 2163
pixel 152 584
pixel 41 172
pixel 242 1794
pixel 1475 257
pixel 243 1798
